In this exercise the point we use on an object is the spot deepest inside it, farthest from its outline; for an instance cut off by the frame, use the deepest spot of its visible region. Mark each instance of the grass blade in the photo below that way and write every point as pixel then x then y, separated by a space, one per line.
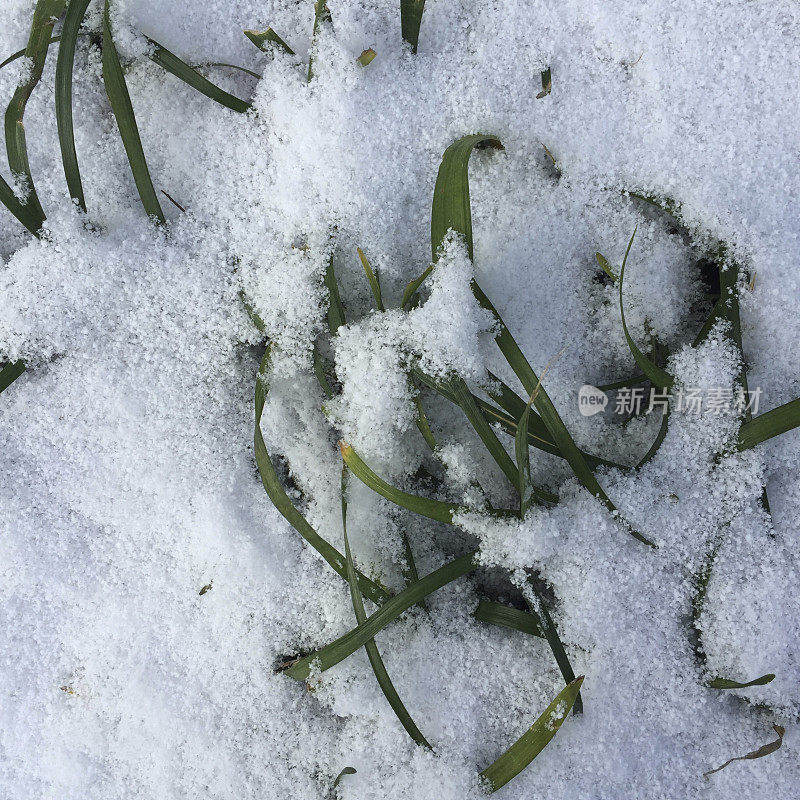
pixel 322 16
pixel 375 660
pixel 260 39
pixel 189 75
pixel 534 740
pixel 22 212
pixel 526 495
pixel 10 372
pixel 117 91
pixel 423 425
pixel 657 376
pixel 451 210
pixel 372 278
pixel 411 21
pixel 762 751
pixel 553 639
pixel 330 655
pixel 499 614
pixel 336 316
pixel 234 66
pixel 76 11
pixel 281 501
pixel 725 683
pixel 44 17
pixel 433 509
pixel 547 83
pixel 772 423
pixel 345 771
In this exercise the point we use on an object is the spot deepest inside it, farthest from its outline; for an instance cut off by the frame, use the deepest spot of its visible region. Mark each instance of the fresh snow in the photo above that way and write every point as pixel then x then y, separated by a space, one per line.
pixel 128 481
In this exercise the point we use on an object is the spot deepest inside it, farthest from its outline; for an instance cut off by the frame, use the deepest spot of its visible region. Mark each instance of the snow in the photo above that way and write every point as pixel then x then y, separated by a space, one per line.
pixel 128 482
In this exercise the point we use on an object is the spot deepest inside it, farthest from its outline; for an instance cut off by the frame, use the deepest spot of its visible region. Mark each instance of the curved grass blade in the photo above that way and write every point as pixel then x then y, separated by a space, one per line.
pixel 660 436
pixel 411 21
pixel 534 740
pixel 336 316
pixel 330 655
pixel 724 683
pixel 423 425
pixel 260 38
pixel 319 371
pixel 45 15
pixel 551 634
pixel 508 617
pixel 372 278
pixel 117 91
pixel 169 62
pixel 605 266
pixel 20 53
pixel 657 376
pixel 345 771
pixel 762 751
pixel 10 372
pixel 769 424
pixel 433 509
pixel 76 11
pixel 281 501
pixel 526 495
pixel 22 212
pixel 322 16
pixel 234 66
pixel 451 210
pixel 375 660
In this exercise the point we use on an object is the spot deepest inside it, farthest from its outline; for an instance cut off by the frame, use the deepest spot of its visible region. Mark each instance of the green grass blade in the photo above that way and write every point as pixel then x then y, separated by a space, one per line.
pixel 769 424
pixel 375 660
pixel 281 501
pixel 76 11
pixel 45 15
pixel 234 66
pixel 372 278
pixel 423 425
pixel 189 75
pixel 20 53
pixel 660 436
pixel 10 372
pixel 724 683
pixel 23 213
pixel 322 16
pixel 319 371
pixel 411 21
pixel 658 377
pixel 526 495
pixel 451 209
pixel 534 740
pixel 762 751
pixel 117 91
pixel 433 509
pixel 605 266
pixel 625 382
pixel 330 655
pixel 554 640
pixel 451 206
pixel 547 83
pixel 499 614
pixel 336 317
pixel 260 39
pixel 345 771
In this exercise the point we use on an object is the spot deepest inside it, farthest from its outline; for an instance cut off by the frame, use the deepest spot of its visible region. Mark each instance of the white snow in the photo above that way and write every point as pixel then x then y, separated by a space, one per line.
pixel 128 482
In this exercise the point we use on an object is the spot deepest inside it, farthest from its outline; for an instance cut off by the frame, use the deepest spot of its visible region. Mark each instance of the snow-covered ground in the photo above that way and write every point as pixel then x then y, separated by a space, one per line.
pixel 128 482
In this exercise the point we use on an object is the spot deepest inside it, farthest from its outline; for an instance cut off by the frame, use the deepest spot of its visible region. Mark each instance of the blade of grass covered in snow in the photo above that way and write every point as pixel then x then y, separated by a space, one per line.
pixel 330 655
pixel 433 509
pixel 657 376
pixel 336 316
pixel 507 617
pixel 725 683
pixel 762 751
pixel 372 278
pixel 660 436
pixel 451 210
pixel 260 39
pixel 411 20
pixel 10 372
pixel 534 740
pixel 769 424
pixel 375 660
pixel 169 62
pixel 76 11
pixel 234 66
pixel 45 15
pixel 625 382
pixel 345 771
pixel 281 501
pixel 539 608
pixel 118 97
pixel 23 213
pixel 322 16
pixel 319 371
pixel 526 495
